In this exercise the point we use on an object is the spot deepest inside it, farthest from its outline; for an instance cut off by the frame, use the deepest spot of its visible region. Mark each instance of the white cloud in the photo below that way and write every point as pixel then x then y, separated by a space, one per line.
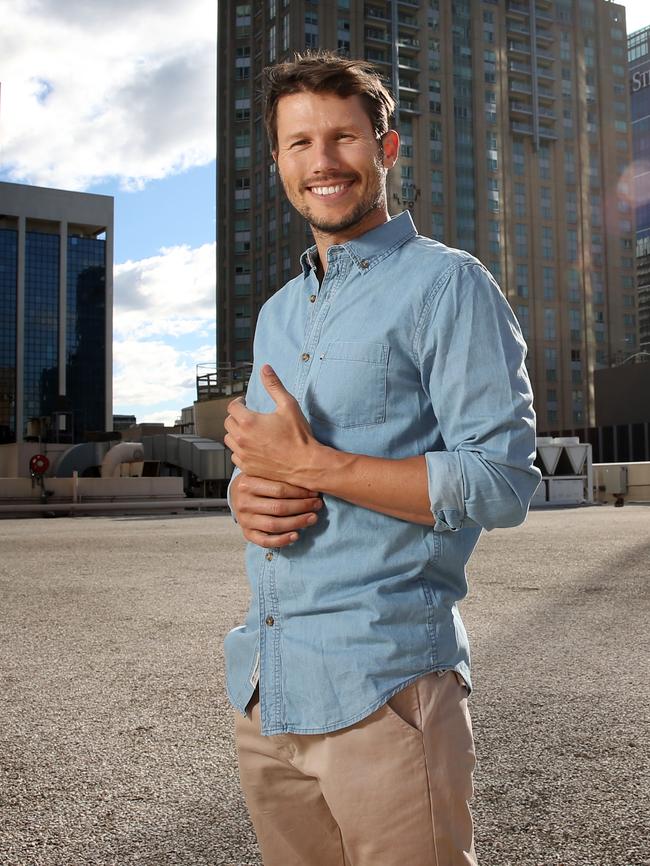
pixel 172 294
pixel 163 323
pixel 92 91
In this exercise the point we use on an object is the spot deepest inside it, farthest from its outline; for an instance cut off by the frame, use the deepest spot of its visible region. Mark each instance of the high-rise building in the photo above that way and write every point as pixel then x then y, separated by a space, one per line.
pixel 638 53
pixel 56 297
pixel 514 122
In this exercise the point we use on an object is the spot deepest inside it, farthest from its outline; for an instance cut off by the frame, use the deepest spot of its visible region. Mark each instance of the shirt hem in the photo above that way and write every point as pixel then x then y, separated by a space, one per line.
pixel 368 711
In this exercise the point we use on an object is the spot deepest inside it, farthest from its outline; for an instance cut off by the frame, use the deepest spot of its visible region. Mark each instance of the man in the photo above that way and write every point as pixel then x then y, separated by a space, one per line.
pixel 388 419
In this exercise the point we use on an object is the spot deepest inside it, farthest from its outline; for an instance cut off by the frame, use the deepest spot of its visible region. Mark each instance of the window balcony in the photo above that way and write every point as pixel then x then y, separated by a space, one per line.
pixel 408 84
pixel 408 42
pixel 514 8
pixel 521 128
pixel 543 15
pixel 548 132
pixel 545 93
pixel 376 13
pixel 376 35
pixel 544 35
pixel 520 107
pixel 514 27
pixel 519 86
pixel 519 47
pixel 408 63
pixel 523 68
pixel 408 21
pixel 545 72
pixel 408 106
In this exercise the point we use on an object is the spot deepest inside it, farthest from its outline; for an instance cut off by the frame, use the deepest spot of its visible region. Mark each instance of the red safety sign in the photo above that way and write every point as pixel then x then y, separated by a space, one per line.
pixel 39 464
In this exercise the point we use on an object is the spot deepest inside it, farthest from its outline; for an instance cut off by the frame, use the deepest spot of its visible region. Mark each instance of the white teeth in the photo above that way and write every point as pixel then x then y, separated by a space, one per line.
pixel 327 190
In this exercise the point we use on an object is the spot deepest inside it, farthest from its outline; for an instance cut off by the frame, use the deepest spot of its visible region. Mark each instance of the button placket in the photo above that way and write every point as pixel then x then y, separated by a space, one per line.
pixel 314 327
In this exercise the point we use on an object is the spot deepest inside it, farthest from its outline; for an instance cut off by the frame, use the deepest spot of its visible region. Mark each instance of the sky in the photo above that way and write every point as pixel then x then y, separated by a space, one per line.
pixel 118 97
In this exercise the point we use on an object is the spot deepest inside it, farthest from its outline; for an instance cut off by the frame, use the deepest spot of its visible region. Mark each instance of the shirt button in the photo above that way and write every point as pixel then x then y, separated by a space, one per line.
pixel 269 620
pixel 269 556
pixel 305 356
pixel 363 264
pixel 312 299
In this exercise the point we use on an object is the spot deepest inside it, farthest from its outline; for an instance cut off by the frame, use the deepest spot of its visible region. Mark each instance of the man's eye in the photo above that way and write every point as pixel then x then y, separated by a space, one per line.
pixel 300 143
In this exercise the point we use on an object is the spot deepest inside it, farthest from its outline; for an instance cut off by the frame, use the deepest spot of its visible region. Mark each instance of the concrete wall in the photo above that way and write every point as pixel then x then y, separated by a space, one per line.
pixel 209 417
pixel 638 482
pixel 92 489
pixel 14 459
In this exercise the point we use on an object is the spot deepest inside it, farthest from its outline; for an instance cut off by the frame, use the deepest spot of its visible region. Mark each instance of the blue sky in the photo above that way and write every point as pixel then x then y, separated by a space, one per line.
pixel 119 98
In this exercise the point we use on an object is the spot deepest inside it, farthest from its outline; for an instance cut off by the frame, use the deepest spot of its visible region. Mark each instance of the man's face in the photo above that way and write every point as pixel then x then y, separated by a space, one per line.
pixel 332 166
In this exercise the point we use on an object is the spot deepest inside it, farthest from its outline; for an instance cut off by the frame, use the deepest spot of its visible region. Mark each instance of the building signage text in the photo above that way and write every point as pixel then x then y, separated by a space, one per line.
pixel 640 80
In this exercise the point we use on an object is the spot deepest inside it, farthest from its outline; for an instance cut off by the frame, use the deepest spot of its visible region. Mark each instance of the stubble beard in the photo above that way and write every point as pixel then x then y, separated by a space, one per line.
pixel 376 198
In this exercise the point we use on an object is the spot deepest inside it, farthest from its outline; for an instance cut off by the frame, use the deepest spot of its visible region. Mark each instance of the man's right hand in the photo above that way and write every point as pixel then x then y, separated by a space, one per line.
pixel 270 513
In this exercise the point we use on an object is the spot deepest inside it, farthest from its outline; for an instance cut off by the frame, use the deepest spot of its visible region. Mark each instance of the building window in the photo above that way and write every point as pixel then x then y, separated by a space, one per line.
pixel 573 285
pixel 436 188
pixel 550 364
pixel 575 324
pixel 520 200
pixel 518 159
pixel 572 245
pixel 521 240
pixel 522 281
pixel 494 237
pixel 549 323
pixel 548 278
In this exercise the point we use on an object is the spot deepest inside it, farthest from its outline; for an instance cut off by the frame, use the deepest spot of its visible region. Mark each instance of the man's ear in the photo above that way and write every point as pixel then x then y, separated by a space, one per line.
pixel 390 146
pixel 274 154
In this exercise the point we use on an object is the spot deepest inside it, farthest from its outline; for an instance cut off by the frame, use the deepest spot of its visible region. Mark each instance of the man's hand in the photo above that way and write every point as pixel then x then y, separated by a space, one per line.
pixel 277 445
pixel 271 512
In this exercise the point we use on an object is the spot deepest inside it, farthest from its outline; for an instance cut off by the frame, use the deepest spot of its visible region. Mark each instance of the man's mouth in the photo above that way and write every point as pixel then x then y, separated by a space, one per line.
pixel 330 189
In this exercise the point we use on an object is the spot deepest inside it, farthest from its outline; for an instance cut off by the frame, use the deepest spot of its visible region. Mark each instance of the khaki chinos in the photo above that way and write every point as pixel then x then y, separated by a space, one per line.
pixel 392 790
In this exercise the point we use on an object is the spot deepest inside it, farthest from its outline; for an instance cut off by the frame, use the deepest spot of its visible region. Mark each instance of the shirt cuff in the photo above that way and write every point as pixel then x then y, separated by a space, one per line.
pixel 446 490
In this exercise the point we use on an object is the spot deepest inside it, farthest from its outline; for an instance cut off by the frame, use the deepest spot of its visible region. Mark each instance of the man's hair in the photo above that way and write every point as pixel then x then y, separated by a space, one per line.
pixel 327 72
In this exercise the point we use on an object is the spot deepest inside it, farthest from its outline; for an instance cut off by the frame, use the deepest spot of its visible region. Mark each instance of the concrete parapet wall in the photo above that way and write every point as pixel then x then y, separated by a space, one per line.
pixel 638 481
pixel 91 489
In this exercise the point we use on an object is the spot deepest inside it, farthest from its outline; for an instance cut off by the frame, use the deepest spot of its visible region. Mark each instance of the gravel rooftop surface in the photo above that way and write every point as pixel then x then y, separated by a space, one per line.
pixel 116 743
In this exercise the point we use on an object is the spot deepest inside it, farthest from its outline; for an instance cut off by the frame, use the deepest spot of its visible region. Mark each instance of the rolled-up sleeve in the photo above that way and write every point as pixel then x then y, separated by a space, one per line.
pixel 471 354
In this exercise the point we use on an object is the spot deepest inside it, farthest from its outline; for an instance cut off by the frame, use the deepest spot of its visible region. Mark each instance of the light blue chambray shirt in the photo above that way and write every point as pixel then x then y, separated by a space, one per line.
pixel 407 348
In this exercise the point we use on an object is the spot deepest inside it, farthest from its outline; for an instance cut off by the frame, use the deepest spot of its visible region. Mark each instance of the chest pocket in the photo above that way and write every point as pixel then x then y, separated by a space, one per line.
pixel 349 388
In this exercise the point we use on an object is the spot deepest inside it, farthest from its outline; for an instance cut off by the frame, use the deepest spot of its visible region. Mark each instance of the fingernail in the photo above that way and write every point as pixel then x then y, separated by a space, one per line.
pixel 318 504
pixel 293 537
pixel 312 518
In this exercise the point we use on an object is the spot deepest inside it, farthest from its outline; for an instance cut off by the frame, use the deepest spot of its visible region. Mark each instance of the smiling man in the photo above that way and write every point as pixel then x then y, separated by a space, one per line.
pixel 387 421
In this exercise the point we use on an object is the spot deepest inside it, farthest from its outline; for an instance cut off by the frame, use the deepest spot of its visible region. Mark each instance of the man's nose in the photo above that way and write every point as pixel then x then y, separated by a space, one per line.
pixel 325 156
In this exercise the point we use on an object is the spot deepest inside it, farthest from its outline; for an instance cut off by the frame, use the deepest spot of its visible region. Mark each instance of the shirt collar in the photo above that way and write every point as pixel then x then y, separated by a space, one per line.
pixel 369 249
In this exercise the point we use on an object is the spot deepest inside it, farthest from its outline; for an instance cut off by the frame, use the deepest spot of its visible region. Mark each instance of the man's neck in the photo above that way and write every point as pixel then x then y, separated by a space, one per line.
pixel 325 240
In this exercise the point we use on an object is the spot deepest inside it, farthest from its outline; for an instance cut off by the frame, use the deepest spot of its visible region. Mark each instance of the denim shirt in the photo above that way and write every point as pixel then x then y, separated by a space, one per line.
pixel 406 348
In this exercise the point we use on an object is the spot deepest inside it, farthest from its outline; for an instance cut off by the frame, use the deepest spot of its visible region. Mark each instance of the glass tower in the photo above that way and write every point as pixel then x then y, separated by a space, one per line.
pixel 8 298
pixel 638 52
pixel 55 314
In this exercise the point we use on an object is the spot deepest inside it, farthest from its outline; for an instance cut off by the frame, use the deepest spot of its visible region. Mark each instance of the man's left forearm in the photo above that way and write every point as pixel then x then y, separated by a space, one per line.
pixel 398 488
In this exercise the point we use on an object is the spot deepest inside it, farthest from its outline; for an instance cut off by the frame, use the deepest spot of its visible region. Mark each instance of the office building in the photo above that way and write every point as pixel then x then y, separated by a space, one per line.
pixel 516 146
pixel 56 295
pixel 638 53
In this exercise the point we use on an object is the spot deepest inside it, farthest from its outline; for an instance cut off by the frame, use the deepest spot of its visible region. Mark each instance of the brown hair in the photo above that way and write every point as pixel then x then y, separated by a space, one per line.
pixel 327 72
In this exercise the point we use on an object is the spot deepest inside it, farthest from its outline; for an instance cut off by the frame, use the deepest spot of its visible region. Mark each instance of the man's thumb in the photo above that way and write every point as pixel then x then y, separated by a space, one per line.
pixel 273 385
